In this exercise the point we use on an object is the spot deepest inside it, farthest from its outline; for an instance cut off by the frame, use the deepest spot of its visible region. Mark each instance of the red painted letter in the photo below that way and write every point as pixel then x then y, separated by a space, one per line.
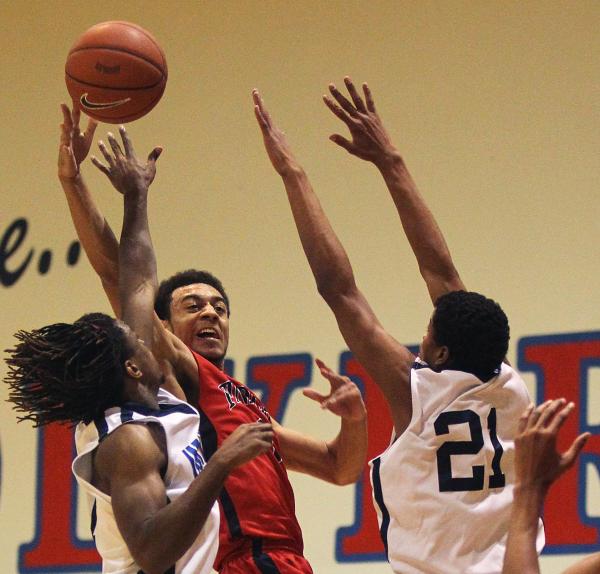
pixel 561 364
pixel 361 542
pixel 56 547
pixel 275 377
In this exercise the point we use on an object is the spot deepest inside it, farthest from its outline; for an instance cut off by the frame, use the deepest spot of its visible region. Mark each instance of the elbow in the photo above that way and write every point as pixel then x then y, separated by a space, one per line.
pixel 446 273
pixel 151 554
pixel 442 281
pixel 332 287
pixel 345 480
pixel 154 569
pixel 347 476
pixel 151 562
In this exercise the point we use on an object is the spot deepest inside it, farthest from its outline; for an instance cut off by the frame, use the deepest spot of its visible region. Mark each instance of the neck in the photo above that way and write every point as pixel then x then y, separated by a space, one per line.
pixel 219 363
pixel 143 395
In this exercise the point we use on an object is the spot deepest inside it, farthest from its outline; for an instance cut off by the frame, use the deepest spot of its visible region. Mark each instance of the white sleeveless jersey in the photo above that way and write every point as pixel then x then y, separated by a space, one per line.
pixel 443 489
pixel 185 460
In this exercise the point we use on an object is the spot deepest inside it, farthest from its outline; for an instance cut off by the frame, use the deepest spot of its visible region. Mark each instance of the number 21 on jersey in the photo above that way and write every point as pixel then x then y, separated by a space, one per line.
pixel 442 425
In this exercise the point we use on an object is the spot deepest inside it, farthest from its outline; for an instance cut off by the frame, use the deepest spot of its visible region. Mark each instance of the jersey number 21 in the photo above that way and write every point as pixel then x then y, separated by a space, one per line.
pixel 447 482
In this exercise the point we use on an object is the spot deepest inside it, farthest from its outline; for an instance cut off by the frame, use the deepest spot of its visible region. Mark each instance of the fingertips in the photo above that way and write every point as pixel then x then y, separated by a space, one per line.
pixel 313 395
pixel 524 418
pixel 582 439
pixel 155 153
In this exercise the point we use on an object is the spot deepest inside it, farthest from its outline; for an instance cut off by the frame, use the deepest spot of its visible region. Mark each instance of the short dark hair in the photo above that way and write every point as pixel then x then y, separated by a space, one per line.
pixel 162 303
pixel 475 330
pixel 68 372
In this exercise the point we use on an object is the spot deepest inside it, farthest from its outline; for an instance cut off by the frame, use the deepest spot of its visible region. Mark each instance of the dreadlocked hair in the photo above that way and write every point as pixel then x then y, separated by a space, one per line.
pixel 475 330
pixel 68 372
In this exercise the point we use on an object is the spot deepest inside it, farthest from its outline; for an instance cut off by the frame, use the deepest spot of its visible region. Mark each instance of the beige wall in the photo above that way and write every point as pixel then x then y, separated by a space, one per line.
pixel 495 106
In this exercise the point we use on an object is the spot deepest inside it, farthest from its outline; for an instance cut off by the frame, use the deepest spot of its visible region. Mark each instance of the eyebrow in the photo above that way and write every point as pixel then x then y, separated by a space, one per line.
pixel 213 299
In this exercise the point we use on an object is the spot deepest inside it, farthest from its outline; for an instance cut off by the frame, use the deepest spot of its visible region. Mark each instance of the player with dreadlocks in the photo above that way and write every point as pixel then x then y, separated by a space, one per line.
pixel 69 372
pixel 139 455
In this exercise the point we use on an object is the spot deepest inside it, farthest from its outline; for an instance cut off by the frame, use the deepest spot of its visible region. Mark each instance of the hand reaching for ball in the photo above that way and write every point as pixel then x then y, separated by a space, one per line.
pixel 123 168
pixel 74 144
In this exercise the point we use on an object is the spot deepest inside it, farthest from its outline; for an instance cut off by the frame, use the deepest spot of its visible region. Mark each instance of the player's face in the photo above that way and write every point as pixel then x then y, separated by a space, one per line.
pixel 199 317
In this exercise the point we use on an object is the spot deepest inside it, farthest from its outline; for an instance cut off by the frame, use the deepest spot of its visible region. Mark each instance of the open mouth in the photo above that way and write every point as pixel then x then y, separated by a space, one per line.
pixel 208 334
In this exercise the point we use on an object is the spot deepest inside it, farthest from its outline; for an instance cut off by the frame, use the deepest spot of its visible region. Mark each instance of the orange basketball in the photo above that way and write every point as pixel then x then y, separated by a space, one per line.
pixel 116 71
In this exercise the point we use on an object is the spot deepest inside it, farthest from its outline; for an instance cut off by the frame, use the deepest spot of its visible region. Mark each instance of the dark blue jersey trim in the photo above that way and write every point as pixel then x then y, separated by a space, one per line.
pixel 163 410
pixel 94 520
pixel 378 495
pixel 263 561
pixel 102 428
pixel 208 438
pixel 126 415
pixel 417 365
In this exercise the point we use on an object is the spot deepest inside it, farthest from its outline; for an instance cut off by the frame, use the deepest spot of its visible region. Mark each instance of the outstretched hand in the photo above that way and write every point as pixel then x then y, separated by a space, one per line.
pixel 370 141
pixel 125 171
pixel 278 150
pixel 537 460
pixel 344 398
pixel 74 144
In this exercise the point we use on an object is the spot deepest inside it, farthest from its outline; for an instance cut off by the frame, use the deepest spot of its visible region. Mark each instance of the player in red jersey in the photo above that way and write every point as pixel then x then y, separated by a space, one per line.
pixel 259 530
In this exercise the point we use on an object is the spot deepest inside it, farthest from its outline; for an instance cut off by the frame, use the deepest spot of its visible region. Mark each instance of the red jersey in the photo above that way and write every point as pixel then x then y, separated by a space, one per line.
pixel 257 501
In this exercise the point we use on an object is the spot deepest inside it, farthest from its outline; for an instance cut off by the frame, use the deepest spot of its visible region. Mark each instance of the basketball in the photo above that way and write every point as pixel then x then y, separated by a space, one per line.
pixel 116 71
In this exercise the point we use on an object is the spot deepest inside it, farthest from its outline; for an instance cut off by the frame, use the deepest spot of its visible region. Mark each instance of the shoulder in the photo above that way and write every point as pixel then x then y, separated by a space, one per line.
pixel 141 445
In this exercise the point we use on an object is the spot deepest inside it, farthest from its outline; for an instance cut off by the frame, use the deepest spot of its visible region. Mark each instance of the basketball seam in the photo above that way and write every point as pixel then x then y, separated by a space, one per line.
pixel 122 51
pixel 149 36
pixel 120 89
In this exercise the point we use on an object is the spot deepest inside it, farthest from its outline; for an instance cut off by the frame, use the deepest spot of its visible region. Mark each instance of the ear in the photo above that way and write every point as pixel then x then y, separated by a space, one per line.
pixel 167 325
pixel 442 356
pixel 132 370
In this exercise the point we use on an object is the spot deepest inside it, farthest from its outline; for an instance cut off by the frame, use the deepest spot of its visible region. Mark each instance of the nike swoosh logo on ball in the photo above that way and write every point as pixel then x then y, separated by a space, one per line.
pixel 101 105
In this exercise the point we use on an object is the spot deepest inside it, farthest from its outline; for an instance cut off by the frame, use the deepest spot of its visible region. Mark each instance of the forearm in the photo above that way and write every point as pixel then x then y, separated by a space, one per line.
pixel 421 229
pixel 167 535
pixel 138 280
pixel 95 235
pixel 339 461
pixel 521 552
pixel 348 451
pixel 137 259
pixel 326 256
pixel 589 565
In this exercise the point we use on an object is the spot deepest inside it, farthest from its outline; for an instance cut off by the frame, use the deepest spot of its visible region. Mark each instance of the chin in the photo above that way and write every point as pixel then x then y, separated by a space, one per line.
pixel 211 354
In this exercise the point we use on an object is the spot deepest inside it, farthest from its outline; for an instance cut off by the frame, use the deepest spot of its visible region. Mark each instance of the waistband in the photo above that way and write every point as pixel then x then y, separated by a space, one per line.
pixel 253 546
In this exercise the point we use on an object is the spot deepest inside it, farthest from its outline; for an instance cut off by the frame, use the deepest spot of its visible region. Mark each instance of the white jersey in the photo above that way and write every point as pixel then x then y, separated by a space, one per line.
pixel 443 489
pixel 180 422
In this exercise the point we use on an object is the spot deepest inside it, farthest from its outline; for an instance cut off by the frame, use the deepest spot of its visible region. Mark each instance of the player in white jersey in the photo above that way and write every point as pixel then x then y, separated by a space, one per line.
pixel 444 487
pixel 440 489
pixel 155 497
pixel 179 422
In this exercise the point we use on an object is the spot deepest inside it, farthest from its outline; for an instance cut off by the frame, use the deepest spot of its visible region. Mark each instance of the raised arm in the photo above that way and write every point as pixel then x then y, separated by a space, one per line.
pixel 537 465
pixel 384 358
pixel 371 142
pixel 138 281
pixel 156 531
pixel 93 231
pixel 136 273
